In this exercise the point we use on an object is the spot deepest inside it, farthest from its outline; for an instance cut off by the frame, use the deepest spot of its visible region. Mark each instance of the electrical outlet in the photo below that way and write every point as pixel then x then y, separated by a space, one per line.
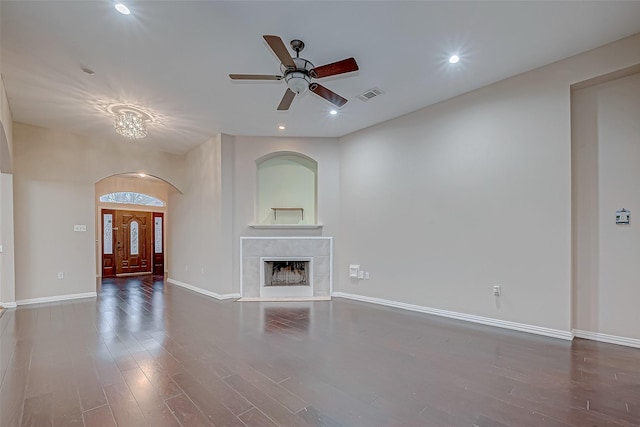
pixel 60 275
pixel 497 290
pixel 366 275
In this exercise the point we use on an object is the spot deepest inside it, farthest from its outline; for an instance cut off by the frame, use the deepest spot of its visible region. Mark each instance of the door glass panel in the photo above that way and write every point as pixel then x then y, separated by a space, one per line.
pixel 108 234
pixel 134 237
pixel 158 233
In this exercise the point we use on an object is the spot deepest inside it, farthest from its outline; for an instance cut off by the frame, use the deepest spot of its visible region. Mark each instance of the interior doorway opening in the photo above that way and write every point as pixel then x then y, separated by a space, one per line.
pixel 132 218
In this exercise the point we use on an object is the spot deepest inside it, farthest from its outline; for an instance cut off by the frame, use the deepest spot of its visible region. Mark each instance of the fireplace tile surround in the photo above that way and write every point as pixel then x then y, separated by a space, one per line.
pixel 254 249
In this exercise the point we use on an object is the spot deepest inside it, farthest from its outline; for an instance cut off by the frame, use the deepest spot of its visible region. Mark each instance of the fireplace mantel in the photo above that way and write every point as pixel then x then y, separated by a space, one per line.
pixel 286 226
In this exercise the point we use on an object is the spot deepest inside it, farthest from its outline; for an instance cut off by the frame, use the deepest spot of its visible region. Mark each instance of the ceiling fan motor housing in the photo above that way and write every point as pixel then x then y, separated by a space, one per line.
pixel 298 78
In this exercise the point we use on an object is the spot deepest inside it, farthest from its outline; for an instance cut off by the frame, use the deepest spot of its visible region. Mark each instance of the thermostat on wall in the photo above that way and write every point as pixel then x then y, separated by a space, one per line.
pixel 622 216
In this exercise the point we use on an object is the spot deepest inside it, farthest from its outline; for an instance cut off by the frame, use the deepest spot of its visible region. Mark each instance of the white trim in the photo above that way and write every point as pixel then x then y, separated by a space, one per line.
pixel 8 304
pixel 532 329
pixel 286 226
pixel 330 267
pixel 292 238
pixel 285 238
pixel 202 291
pixel 611 339
pixel 55 298
pixel 287 299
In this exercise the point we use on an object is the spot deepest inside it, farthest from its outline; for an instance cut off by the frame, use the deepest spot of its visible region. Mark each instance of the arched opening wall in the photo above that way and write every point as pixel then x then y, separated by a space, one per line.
pixel 55 176
pixel 135 184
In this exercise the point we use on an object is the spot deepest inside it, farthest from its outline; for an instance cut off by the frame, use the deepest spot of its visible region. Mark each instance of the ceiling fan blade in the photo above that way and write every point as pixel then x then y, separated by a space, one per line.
pixel 254 77
pixel 345 66
pixel 277 46
pixel 327 94
pixel 287 99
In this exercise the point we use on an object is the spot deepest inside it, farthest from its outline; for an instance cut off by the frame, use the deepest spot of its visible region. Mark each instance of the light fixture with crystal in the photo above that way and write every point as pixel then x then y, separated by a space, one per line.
pixel 130 125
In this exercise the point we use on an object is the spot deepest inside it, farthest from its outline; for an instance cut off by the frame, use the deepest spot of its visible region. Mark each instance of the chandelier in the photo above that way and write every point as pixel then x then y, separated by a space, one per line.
pixel 130 125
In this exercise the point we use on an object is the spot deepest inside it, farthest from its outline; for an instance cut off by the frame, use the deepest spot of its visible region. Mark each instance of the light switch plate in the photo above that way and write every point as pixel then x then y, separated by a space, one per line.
pixel 79 228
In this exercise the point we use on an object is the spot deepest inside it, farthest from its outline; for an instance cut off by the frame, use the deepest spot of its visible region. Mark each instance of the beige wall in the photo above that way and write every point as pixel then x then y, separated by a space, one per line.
pixel 7 268
pixel 199 251
pixel 246 151
pixel 606 173
pixel 6 132
pixel 7 258
pixel 54 189
pixel 442 204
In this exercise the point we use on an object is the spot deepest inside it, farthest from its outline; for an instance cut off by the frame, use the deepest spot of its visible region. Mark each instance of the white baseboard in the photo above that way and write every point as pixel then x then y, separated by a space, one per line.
pixel 259 299
pixel 55 298
pixel 202 291
pixel 532 329
pixel 8 304
pixel 611 339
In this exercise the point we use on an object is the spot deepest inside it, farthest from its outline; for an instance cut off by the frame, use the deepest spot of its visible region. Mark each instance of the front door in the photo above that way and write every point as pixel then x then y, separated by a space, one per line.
pixel 127 242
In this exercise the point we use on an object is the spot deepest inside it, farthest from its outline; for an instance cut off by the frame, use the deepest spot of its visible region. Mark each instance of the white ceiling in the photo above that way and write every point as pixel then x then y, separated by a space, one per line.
pixel 172 58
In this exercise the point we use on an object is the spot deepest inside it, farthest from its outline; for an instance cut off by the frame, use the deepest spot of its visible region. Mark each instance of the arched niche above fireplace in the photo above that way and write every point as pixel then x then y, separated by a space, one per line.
pixel 287 189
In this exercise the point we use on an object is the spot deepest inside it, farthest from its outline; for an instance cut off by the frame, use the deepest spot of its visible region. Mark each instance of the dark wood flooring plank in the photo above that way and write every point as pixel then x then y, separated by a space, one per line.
pixel 99 417
pixel 123 405
pixel 267 405
pixel 187 413
pixel 255 418
pixel 160 379
pixel 38 411
pixel 206 402
pixel 218 388
pixel 12 397
pixel 152 404
pixel 89 388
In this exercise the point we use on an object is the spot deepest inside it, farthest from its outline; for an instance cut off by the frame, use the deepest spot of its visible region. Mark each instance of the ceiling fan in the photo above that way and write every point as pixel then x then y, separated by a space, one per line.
pixel 297 73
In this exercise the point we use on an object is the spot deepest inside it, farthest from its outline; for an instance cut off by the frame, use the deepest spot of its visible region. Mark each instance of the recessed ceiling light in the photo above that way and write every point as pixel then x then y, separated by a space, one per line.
pixel 333 112
pixel 281 127
pixel 88 70
pixel 122 9
pixel 454 59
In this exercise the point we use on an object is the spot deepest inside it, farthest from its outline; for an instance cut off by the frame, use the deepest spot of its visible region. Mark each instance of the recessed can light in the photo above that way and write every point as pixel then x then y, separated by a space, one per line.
pixel 281 127
pixel 122 9
pixel 333 112
pixel 453 59
pixel 88 70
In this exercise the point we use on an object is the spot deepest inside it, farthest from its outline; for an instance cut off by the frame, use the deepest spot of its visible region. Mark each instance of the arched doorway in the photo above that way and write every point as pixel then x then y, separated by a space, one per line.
pixel 131 213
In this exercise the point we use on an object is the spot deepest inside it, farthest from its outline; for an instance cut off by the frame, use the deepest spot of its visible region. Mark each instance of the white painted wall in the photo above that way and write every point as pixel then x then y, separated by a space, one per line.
pixel 7 263
pixel 198 248
pixel 443 203
pixel 606 150
pixel 7 257
pixel 286 181
pixel 6 131
pixel 246 151
pixel 54 179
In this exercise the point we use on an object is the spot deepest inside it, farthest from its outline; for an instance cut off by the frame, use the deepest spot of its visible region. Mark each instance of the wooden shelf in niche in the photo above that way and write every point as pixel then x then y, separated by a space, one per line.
pixel 275 211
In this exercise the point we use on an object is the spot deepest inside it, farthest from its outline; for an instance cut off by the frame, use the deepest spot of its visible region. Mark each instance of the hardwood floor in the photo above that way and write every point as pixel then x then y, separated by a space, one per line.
pixel 146 353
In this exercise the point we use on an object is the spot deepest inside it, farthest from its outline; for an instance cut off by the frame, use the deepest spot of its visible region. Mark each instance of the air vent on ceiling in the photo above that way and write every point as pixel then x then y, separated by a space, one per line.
pixel 371 93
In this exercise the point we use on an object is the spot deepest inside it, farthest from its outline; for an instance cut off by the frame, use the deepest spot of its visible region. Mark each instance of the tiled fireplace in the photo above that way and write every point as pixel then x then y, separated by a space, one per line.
pixel 285 268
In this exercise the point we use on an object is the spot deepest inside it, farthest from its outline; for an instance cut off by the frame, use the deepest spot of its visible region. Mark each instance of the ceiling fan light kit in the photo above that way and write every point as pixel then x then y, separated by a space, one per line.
pixel 297 73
